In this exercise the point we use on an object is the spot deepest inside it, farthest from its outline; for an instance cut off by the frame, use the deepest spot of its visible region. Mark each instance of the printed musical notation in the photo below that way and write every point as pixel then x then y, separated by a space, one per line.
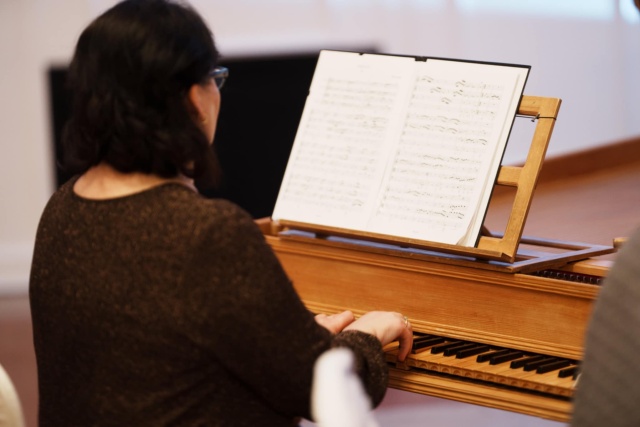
pixel 394 146
pixel 338 152
pixel 445 137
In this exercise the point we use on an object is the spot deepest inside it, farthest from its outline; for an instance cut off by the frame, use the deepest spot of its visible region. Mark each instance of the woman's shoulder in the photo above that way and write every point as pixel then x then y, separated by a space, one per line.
pixel 216 226
pixel 60 197
pixel 195 204
pixel 204 212
pixel 172 202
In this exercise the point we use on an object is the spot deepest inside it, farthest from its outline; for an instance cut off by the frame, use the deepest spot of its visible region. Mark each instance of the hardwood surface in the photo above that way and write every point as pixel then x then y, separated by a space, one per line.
pixel 593 206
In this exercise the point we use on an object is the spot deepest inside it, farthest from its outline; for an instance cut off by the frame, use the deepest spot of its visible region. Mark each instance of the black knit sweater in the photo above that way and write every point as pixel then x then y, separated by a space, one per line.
pixel 164 308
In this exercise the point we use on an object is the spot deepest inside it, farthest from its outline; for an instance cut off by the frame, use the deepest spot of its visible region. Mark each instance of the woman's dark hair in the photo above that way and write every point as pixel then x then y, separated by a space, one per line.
pixel 130 75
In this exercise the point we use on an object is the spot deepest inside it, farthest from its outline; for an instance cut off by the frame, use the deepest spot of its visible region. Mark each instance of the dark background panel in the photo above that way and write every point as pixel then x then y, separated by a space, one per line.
pixel 262 103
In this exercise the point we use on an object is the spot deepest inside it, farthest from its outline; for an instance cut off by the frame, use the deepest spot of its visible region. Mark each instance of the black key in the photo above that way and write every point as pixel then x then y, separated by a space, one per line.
pixel 426 341
pixel 513 355
pixel 426 337
pixel 440 348
pixel 463 346
pixel 571 371
pixel 548 367
pixel 419 336
pixel 424 344
pixel 532 366
pixel 487 356
pixel 521 362
pixel 480 348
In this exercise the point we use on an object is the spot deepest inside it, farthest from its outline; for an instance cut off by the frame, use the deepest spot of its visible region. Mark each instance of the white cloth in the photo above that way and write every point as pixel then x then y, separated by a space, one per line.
pixel 10 410
pixel 338 398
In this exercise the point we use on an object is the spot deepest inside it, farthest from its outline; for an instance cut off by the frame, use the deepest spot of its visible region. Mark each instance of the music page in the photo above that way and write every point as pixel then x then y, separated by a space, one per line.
pixel 448 152
pixel 344 139
pixel 396 146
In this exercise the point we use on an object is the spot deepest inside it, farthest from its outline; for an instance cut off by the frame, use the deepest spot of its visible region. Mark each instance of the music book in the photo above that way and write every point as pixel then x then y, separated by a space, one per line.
pixel 400 146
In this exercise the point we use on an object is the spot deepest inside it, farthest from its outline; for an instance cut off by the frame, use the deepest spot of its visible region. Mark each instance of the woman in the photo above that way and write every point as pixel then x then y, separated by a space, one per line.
pixel 152 305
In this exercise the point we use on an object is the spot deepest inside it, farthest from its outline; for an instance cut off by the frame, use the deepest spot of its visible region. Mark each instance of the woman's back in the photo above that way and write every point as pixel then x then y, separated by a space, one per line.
pixel 132 323
pixel 152 305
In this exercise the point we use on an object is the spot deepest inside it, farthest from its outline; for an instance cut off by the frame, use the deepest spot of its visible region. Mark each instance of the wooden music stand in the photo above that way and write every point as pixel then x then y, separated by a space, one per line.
pixel 524 178
pixel 494 251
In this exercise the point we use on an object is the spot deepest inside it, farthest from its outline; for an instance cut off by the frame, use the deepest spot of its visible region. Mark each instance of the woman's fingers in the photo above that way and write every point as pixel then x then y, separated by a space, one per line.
pixel 387 327
pixel 405 339
pixel 335 323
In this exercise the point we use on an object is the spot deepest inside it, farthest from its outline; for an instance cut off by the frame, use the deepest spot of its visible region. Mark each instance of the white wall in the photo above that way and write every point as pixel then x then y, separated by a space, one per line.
pixel 588 61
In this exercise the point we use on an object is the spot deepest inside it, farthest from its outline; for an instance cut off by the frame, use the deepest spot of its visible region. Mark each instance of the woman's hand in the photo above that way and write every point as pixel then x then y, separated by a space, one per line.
pixel 387 327
pixel 335 323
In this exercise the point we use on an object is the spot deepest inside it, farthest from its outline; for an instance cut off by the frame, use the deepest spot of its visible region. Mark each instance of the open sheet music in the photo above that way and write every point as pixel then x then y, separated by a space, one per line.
pixel 400 146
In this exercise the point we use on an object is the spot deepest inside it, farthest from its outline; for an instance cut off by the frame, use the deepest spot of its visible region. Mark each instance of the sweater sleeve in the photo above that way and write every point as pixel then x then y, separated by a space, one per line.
pixel 255 323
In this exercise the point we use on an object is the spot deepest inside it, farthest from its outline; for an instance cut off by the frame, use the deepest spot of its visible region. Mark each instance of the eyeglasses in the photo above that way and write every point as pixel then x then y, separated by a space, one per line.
pixel 219 75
